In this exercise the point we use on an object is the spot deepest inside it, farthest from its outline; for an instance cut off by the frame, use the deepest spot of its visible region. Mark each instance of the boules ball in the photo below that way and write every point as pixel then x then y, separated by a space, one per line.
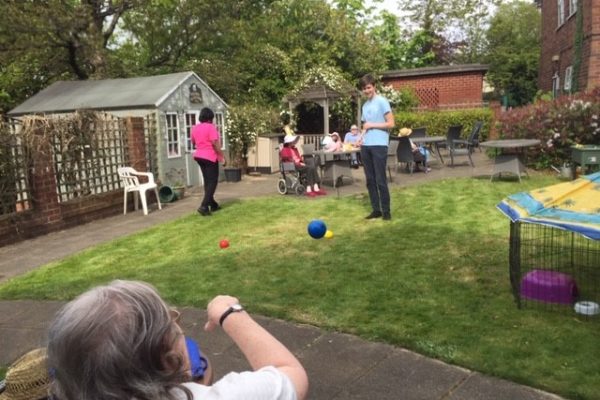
pixel 317 229
pixel 328 234
pixel 224 244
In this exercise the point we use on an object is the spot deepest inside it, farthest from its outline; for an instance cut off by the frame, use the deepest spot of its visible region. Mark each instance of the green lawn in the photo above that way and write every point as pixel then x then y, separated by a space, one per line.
pixel 434 279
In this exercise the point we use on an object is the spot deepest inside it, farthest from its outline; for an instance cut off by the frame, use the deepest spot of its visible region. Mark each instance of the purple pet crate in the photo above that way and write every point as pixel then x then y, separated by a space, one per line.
pixel 549 287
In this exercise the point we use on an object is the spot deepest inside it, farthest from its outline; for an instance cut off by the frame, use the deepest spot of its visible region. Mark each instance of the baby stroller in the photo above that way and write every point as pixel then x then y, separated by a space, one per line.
pixel 291 179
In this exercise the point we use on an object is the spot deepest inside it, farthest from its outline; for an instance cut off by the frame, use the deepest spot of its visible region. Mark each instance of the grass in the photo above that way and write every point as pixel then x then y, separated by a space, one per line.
pixel 434 279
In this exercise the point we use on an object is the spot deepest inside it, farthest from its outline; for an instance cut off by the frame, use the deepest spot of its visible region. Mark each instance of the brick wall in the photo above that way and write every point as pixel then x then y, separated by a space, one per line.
pixel 459 89
pixel 558 42
pixel 48 215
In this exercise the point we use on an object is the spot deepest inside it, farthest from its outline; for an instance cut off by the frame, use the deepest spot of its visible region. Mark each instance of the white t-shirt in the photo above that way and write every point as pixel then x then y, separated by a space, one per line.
pixel 267 383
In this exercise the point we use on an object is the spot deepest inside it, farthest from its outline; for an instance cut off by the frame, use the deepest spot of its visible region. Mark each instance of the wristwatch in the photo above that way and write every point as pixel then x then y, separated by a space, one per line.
pixel 233 308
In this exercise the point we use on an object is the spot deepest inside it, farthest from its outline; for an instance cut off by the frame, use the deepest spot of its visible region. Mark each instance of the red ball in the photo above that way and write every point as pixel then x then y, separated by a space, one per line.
pixel 224 244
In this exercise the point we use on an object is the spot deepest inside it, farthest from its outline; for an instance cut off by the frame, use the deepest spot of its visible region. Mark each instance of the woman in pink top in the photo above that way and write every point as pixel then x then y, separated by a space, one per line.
pixel 208 154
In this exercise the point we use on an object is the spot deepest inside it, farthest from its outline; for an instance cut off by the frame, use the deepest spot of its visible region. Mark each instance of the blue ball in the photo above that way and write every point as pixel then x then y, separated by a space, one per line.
pixel 317 229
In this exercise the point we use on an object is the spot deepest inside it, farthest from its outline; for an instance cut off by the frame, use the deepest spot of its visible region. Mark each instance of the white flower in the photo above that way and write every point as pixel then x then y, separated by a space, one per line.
pixel 549 143
pixel 556 135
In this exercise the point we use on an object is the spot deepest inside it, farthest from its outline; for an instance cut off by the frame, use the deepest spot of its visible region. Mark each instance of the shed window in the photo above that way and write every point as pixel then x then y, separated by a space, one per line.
pixel 173 149
pixel 220 124
pixel 561 11
pixel 572 7
pixel 568 78
pixel 191 119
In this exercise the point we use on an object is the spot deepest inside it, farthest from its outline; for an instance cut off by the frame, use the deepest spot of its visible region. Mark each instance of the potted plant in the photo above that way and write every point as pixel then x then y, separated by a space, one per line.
pixel 244 124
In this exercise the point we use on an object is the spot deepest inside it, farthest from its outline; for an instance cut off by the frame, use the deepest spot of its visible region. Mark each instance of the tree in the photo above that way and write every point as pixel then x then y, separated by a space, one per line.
pixel 42 41
pixel 456 26
pixel 513 51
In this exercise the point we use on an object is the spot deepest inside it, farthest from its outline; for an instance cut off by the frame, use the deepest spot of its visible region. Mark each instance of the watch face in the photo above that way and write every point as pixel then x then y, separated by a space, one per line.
pixel 237 307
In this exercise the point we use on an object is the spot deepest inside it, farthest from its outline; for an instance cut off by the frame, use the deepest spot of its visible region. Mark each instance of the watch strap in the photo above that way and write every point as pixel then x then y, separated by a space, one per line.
pixel 229 311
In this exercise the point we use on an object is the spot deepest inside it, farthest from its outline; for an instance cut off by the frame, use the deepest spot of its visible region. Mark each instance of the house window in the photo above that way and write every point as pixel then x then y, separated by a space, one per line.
pixel 173 149
pixel 555 85
pixel 568 78
pixel 220 124
pixel 191 119
pixel 561 11
pixel 572 7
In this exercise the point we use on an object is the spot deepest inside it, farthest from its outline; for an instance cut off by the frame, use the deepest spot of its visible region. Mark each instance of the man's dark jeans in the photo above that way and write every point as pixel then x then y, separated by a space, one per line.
pixel 374 160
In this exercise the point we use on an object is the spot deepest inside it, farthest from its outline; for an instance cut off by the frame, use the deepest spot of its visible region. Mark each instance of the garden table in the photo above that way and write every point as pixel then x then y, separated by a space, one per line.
pixel 513 163
pixel 336 165
pixel 432 141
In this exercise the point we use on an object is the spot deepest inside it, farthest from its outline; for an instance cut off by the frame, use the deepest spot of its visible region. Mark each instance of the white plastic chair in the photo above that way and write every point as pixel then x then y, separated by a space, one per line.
pixel 131 183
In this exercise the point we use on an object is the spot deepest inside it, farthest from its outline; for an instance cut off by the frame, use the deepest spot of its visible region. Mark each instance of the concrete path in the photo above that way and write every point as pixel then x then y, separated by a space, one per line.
pixel 340 366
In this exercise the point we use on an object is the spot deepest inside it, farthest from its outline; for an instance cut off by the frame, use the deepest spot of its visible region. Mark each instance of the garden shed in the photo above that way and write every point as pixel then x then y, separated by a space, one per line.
pixel 169 103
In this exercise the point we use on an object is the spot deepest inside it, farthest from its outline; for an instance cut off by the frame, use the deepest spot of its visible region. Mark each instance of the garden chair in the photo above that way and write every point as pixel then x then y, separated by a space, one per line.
pixel 405 154
pixel 419 132
pixel 475 133
pixel 461 147
pixel 129 177
pixel 392 157
pixel 453 133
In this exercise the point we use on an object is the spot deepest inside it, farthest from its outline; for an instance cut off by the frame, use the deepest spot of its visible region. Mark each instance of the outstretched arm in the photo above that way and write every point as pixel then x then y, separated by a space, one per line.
pixel 260 348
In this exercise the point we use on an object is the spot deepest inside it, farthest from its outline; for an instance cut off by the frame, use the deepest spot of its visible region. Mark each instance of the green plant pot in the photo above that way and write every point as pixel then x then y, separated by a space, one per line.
pixel 179 192
pixel 166 194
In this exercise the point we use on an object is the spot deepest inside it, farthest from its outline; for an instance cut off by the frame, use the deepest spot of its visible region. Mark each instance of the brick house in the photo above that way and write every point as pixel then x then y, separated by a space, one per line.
pixel 557 59
pixel 449 86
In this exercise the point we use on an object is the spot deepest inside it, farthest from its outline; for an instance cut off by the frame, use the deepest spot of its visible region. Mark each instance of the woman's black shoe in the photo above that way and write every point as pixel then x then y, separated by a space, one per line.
pixel 204 211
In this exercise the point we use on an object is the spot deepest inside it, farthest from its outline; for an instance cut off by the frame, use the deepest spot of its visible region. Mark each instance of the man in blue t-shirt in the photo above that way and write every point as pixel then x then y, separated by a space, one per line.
pixel 377 118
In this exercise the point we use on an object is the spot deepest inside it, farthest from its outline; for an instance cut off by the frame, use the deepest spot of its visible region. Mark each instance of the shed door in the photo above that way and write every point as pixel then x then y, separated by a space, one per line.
pixel 193 174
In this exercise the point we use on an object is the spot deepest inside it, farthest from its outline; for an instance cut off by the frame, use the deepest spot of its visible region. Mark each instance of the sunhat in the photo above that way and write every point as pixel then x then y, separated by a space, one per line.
pixel 353 127
pixel 404 132
pixel 290 139
pixel 334 134
pixel 27 378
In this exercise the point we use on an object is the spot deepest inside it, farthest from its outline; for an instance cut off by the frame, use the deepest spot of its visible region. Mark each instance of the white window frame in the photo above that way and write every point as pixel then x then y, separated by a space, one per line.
pixel 572 7
pixel 220 125
pixel 555 85
pixel 561 11
pixel 568 79
pixel 190 118
pixel 172 134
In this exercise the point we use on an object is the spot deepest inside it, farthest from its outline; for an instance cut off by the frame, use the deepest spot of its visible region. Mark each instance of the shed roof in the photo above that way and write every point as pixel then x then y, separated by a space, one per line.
pixel 108 94
pixel 440 70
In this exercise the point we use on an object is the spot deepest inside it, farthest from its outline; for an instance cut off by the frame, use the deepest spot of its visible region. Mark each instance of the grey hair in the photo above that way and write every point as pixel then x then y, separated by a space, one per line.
pixel 112 342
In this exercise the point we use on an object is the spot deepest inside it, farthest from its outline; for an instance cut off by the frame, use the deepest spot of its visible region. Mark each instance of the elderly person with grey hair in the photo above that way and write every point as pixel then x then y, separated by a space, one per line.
pixel 121 341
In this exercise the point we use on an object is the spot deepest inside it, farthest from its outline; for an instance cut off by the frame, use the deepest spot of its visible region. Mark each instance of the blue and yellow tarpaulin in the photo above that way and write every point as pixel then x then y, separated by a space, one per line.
pixel 574 206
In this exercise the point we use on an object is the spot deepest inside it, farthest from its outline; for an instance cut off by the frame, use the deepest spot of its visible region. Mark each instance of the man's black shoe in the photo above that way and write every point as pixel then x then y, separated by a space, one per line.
pixel 374 214
pixel 215 207
pixel 387 216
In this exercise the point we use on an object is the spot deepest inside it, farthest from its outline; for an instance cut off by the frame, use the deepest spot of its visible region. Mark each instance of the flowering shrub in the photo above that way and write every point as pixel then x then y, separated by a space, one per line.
pixel 244 124
pixel 404 99
pixel 558 124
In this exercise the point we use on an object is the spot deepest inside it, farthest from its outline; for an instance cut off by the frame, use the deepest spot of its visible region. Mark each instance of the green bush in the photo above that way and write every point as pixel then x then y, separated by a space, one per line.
pixel 437 122
pixel 558 124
